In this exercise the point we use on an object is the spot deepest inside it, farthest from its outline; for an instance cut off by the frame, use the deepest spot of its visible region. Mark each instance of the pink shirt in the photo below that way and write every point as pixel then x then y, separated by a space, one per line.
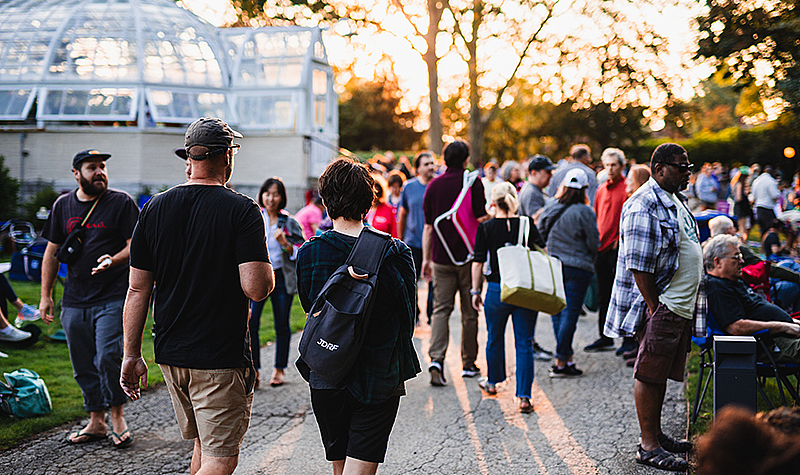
pixel 308 216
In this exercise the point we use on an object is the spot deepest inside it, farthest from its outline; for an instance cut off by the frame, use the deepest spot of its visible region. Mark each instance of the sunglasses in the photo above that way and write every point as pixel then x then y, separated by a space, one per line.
pixel 215 151
pixel 682 167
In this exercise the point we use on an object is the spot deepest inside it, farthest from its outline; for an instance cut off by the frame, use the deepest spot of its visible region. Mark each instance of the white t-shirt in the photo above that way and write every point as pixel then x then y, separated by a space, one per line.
pixel 680 294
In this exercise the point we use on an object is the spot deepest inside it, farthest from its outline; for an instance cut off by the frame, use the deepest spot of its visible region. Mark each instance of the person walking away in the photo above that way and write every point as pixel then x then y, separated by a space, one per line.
pixel 608 207
pixel 94 291
pixel 498 232
pixel 532 199
pixel 579 157
pixel 655 287
pixel 411 218
pixel 448 277
pixel 355 417
pixel 203 245
pixel 284 238
pixel 569 227
pixel 765 197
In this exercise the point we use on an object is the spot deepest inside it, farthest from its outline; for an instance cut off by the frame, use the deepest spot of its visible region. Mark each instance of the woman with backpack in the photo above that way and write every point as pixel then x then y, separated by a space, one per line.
pixel 492 235
pixel 569 227
pixel 356 415
pixel 284 237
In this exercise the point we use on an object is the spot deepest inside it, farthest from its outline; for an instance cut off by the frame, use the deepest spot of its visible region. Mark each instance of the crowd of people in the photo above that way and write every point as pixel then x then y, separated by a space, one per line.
pixel 210 251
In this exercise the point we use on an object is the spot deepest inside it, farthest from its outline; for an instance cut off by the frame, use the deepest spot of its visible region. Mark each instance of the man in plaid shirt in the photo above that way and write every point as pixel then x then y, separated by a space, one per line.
pixel 659 270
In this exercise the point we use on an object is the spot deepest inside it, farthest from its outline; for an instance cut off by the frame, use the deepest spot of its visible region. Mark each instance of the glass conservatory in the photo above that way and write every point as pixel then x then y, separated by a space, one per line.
pixel 127 76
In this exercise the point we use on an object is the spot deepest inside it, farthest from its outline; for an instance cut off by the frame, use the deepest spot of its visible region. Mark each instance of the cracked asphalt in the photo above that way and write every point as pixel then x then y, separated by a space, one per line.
pixel 580 426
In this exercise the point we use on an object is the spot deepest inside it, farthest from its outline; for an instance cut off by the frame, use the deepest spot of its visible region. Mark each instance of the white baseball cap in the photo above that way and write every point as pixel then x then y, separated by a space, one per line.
pixel 576 178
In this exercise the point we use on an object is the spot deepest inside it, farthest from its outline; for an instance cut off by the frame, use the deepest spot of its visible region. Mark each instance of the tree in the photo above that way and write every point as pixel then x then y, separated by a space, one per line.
pixel 370 117
pixel 9 187
pixel 757 43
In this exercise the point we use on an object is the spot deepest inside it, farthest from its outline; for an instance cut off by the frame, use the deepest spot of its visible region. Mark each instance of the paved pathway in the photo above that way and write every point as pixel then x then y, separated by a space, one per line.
pixel 580 426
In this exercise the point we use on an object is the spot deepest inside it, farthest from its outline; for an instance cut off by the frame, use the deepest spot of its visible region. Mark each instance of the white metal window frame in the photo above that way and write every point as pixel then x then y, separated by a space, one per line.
pixel 25 109
pixel 42 115
pixel 193 104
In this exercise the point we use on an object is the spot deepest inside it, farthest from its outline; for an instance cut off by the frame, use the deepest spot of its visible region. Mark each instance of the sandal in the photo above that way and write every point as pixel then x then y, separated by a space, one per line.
pixel 122 443
pixel 674 446
pixel 488 387
pixel 661 459
pixel 525 405
pixel 71 436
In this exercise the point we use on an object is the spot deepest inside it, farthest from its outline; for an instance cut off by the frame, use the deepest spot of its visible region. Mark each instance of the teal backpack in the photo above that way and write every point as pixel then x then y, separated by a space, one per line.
pixel 25 394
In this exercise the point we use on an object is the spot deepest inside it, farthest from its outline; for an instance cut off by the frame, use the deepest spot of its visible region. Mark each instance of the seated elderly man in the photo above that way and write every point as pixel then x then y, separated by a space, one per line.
pixel 736 308
pixel 786 291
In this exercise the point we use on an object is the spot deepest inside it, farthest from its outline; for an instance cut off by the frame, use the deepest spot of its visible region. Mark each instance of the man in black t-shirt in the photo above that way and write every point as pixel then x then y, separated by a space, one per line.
pixel 203 246
pixel 94 291
pixel 736 308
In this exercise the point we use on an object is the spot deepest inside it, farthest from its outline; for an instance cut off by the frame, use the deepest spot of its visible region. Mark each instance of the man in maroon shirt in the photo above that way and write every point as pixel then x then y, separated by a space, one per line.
pixel 449 278
pixel 608 206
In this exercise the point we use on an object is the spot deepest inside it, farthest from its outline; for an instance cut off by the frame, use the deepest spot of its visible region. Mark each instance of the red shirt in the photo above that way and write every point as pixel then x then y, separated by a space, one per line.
pixel 608 207
pixel 382 219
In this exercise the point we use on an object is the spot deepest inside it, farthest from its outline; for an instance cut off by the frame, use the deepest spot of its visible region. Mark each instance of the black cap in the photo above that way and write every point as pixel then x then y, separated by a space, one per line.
pixel 210 132
pixel 87 154
pixel 540 162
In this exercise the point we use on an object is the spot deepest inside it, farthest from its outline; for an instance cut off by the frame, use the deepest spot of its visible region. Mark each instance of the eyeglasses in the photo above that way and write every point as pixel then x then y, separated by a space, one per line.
pixel 682 167
pixel 216 151
pixel 737 256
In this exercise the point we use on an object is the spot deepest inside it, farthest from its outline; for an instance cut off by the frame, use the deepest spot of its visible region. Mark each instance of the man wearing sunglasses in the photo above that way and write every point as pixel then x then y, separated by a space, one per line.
pixel 203 246
pixel 737 309
pixel 659 269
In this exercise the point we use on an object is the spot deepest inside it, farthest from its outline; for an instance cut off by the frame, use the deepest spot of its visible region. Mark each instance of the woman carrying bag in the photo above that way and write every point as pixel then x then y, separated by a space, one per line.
pixel 498 232
pixel 569 226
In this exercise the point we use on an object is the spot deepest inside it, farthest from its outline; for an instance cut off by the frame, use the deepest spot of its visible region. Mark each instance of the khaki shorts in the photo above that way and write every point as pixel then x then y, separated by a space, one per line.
pixel 212 405
pixel 664 341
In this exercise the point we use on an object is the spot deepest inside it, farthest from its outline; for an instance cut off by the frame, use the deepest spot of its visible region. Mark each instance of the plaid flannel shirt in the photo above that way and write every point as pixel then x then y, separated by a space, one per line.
pixel 387 357
pixel 649 241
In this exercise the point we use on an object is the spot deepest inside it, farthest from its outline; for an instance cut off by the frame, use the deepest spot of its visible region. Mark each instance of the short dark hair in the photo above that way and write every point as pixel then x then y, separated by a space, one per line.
pixel 346 188
pixel 577 152
pixel 395 177
pixel 267 185
pixel 419 157
pixel 456 153
pixel 572 196
pixel 666 153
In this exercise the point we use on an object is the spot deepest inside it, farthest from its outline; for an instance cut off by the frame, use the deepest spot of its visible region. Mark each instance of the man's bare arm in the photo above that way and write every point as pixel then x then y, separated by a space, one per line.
pixel 427 252
pixel 402 215
pixel 49 273
pixel 134 370
pixel 106 261
pixel 646 282
pixel 257 279
pixel 748 327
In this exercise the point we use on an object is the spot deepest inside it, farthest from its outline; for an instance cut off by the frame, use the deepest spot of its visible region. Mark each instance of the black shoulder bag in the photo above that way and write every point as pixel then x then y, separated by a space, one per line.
pixel 70 251
pixel 339 317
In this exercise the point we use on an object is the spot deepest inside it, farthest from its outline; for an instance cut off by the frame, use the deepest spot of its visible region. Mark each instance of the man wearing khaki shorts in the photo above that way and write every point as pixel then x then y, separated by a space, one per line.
pixel 655 286
pixel 203 246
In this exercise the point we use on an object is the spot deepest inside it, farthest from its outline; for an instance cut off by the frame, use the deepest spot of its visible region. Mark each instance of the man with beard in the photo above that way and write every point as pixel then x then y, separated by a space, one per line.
pixel 659 269
pixel 94 292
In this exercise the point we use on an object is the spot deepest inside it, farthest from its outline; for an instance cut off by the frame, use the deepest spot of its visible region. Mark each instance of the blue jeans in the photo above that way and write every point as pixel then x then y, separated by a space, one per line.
pixel 94 339
pixel 576 281
pixel 524 322
pixel 281 309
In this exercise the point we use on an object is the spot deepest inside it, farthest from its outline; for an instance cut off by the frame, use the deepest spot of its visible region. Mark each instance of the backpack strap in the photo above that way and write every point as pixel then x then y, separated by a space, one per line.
pixel 368 251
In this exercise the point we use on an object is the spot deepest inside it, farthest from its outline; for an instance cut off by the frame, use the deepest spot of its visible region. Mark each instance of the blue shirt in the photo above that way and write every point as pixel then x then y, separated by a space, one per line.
pixel 411 200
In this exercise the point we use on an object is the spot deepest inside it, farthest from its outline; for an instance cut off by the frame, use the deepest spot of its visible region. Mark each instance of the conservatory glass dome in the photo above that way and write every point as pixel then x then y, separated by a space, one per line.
pixel 151 61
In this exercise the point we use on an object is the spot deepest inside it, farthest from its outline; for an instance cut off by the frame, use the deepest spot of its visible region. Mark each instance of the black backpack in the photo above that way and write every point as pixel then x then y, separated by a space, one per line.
pixel 339 317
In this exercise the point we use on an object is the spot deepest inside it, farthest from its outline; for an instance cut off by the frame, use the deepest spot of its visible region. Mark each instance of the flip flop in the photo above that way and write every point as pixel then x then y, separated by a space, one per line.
pixel 90 437
pixel 122 443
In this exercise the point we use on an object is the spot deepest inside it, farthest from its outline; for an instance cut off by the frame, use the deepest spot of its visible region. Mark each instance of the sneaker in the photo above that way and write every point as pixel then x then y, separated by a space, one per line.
pixel 437 377
pixel 627 345
pixel 488 388
pixel 540 353
pixel 602 344
pixel 568 371
pixel 12 334
pixel 470 372
pixel 29 313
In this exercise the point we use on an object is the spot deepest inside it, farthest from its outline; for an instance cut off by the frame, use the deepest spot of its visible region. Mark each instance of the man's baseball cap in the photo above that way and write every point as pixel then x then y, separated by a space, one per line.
pixel 87 154
pixel 210 132
pixel 576 178
pixel 540 162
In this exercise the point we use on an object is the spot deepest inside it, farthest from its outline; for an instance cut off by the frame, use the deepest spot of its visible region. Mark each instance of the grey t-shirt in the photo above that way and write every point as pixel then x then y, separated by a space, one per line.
pixel 531 199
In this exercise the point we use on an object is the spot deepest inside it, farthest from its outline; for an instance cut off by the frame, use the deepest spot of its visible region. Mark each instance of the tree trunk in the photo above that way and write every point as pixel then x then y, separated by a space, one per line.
pixel 432 61
pixel 476 120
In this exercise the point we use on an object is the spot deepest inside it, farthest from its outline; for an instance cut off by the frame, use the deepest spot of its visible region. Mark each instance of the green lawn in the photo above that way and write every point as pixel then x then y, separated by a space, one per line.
pixel 50 359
